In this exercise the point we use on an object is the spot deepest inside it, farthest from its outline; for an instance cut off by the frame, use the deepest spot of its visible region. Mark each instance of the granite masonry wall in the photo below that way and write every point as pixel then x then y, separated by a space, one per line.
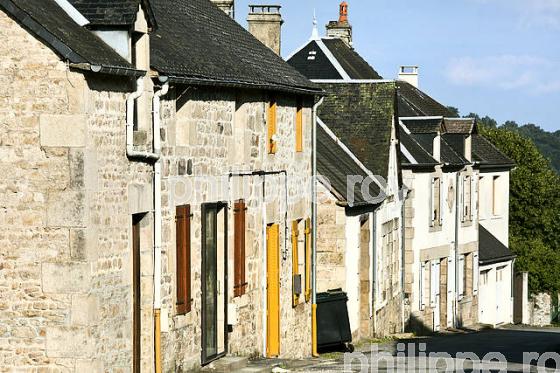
pixel 207 135
pixel 65 215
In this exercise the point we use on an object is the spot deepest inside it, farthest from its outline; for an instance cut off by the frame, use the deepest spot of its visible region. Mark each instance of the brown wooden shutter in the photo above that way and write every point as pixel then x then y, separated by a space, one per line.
pixel 183 245
pixel 240 285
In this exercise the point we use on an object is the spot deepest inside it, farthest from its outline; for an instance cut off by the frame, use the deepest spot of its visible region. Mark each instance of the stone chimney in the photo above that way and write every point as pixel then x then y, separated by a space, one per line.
pixel 265 23
pixel 227 6
pixel 409 74
pixel 341 29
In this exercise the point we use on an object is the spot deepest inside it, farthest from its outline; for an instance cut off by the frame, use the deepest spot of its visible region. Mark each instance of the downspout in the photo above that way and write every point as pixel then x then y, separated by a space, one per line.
pixel 157 223
pixel 314 231
pixel 403 258
pixel 457 219
pixel 374 268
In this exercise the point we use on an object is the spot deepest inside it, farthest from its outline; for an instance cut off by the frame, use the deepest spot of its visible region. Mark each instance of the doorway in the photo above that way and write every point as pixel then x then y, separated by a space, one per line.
pixel 214 281
pixel 136 295
pixel 273 290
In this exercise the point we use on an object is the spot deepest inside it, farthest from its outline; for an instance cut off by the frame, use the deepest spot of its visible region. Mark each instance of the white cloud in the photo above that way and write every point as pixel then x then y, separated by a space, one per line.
pixel 507 72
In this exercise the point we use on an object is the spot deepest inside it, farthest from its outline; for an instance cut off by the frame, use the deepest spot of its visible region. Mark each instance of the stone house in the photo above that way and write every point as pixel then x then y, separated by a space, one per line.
pixel 157 189
pixel 360 112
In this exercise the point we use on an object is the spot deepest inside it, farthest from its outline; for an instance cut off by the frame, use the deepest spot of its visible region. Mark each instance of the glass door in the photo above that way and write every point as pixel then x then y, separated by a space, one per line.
pixel 214 280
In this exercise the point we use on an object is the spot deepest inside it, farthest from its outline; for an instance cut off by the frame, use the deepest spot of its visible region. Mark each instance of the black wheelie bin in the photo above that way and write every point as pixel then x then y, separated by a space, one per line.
pixel 333 325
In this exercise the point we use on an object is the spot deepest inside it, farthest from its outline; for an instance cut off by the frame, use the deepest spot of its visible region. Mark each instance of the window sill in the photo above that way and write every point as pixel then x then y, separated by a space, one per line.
pixel 466 223
pixel 436 228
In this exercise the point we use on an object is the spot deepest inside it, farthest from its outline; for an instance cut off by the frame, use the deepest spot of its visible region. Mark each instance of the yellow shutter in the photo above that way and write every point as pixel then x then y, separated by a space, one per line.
pixel 271 143
pixel 307 259
pixel 273 291
pixel 299 127
pixel 295 261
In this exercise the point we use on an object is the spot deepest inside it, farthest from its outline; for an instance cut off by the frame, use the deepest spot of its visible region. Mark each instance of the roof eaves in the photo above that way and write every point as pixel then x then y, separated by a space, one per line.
pixel 243 84
pixel 502 259
pixel 352 81
pixel 76 60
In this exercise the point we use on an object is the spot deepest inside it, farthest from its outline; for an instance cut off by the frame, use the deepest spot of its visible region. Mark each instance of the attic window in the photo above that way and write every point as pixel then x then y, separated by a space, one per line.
pixel 312 55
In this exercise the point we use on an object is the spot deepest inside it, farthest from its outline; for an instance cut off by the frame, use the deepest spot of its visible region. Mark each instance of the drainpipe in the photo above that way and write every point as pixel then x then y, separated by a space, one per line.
pixel 457 222
pixel 156 104
pixel 314 232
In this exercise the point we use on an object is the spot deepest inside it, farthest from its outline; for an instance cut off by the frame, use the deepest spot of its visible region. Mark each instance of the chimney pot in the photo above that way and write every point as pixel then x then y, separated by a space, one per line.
pixel 265 23
pixel 341 29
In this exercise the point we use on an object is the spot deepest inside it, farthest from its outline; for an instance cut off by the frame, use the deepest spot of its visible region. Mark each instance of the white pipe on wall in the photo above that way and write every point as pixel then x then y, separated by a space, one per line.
pixel 157 194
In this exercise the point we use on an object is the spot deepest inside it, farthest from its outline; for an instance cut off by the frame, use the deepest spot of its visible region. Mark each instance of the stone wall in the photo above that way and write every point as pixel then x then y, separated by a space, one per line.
pixel 540 307
pixel 65 258
pixel 331 242
pixel 206 136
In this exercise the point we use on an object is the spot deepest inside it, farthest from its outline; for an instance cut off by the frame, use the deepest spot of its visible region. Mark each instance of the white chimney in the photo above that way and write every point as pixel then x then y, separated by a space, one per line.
pixel 409 74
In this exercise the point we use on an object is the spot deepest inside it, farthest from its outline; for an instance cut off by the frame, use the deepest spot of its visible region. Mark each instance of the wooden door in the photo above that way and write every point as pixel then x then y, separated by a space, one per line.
pixel 136 311
pixel 273 291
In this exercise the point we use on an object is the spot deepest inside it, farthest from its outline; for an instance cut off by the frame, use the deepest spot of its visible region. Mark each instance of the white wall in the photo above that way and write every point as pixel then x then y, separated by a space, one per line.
pixel 496 222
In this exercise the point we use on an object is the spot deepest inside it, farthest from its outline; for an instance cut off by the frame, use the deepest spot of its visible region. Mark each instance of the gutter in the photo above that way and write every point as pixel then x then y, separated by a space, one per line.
pixel 202 81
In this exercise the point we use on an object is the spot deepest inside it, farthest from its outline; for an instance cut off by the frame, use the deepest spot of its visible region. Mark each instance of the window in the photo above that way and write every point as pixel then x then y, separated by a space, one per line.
pixel 480 202
pixel 271 138
pixel 240 284
pixel 435 202
pixel 307 260
pixel 183 247
pixel 496 196
pixel 299 126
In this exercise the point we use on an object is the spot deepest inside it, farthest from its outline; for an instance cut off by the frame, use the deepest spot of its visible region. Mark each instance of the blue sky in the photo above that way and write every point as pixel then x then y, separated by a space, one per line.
pixel 495 57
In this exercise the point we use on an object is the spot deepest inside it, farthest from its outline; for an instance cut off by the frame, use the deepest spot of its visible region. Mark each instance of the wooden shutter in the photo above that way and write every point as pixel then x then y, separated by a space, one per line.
pixel 240 285
pixel 299 126
pixel 307 259
pixel 271 143
pixel 295 260
pixel 183 246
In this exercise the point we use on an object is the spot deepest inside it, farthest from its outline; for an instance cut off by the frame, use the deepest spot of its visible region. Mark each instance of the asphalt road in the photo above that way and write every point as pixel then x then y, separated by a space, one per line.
pixel 512 350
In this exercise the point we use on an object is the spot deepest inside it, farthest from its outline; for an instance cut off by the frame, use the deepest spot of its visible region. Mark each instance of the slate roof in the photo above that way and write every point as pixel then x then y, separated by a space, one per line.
pixel 49 23
pixel 487 155
pixel 421 158
pixel 314 63
pixel 423 125
pixel 354 65
pixel 197 43
pixel 336 164
pixel 415 103
pixel 112 12
pixel 447 154
pixel 490 249
pixel 459 125
pixel 361 116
